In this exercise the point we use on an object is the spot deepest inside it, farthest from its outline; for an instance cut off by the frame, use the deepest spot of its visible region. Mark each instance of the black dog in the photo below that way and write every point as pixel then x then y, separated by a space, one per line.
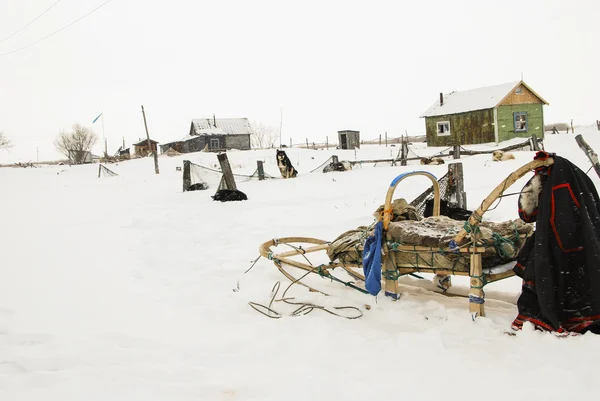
pixel 228 195
pixel 285 165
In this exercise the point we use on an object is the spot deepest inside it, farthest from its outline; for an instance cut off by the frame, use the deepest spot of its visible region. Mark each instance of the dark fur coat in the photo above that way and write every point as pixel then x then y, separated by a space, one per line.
pixel 560 263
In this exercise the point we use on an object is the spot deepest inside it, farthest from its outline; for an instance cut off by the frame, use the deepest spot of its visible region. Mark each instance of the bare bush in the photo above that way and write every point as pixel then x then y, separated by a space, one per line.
pixel 265 136
pixel 5 143
pixel 77 144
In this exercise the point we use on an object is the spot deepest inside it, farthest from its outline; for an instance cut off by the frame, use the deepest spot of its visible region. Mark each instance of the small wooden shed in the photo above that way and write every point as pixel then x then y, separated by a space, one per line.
pixel 348 139
pixel 142 149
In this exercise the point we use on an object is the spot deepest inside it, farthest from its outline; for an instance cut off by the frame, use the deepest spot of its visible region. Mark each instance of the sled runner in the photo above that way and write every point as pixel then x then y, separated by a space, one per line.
pixel 402 242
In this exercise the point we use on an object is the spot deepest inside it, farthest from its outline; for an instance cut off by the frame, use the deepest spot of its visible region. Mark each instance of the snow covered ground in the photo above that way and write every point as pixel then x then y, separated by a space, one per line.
pixel 122 288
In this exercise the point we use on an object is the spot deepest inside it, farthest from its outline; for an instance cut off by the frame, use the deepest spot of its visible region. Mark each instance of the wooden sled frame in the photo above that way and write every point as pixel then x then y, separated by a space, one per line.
pixel 389 267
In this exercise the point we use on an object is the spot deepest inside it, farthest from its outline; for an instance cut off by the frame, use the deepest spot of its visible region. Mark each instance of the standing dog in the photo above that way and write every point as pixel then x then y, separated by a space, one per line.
pixel 285 165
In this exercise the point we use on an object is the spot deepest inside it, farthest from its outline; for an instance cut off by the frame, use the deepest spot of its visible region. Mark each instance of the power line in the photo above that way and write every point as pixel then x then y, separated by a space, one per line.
pixel 57 31
pixel 30 22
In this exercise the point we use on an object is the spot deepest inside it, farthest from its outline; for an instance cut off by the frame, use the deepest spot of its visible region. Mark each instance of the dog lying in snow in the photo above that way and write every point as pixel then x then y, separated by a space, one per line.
pixel 285 165
pixel 432 160
pixel 500 156
pixel 339 166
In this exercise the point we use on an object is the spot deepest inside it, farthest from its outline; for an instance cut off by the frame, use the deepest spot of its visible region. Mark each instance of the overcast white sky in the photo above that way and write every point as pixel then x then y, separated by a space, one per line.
pixel 374 66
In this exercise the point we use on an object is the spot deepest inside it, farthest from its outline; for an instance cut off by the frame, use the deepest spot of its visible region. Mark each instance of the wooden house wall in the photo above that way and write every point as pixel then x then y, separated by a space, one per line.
pixel 535 121
pixel 526 97
pixel 465 128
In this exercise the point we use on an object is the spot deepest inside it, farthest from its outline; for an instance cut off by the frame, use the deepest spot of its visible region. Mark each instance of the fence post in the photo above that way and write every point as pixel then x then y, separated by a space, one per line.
pixel 187 182
pixel 533 143
pixel 227 173
pixel 306 143
pixel 404 154
pixel 589 152
pixel 457 184
pixel 456 151
pixel 260 169
pixel 99 168
pixel 327 142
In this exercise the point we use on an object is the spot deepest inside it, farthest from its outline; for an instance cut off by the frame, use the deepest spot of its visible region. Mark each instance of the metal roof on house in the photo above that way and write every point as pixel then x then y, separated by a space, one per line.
pixel 222 126
pixel 474 99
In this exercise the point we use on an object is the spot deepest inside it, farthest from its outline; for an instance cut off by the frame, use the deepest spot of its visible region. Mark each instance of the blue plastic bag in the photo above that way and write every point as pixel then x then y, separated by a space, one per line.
pixel 372 260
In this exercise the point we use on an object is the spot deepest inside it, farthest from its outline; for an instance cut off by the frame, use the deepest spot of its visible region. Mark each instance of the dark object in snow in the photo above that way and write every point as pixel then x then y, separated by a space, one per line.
pixel 447 209
pixel 339 166
pixel 200 186
pixel 228 195
pixel 559 263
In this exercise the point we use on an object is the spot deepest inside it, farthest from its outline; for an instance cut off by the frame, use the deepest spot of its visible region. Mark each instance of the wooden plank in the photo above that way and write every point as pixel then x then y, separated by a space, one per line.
pixel 589 152
pixel 455 172
pixel 227 173
pixel 476 295
pixel 261 170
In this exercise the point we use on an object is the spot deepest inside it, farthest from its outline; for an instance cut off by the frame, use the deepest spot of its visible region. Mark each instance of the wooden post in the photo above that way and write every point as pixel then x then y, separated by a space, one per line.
pixel 227 173
pixel 458 194
pixel 260 169
pixel 404 151
pixel 187 181
pixel 572 130
pixel 534 143
pixel 99 169
pixel 379 139
pixel 150 143
pixel 327 142
pixel 334 159
pixel 386 139
pixel 456 151
pixel 589 152
pixel 306 143
pixel 476 295
pixel 389 267
pixel 290 142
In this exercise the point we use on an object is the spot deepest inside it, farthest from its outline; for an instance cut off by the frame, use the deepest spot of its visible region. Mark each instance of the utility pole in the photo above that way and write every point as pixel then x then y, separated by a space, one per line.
pixel 280 125
pixel 150 143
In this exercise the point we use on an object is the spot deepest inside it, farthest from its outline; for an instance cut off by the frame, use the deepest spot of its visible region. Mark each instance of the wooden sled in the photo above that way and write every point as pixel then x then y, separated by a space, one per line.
pixel 394 265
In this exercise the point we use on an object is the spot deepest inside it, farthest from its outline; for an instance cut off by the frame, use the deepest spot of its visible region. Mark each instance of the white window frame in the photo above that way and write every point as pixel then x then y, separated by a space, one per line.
pixel 447 133
pixel 212 141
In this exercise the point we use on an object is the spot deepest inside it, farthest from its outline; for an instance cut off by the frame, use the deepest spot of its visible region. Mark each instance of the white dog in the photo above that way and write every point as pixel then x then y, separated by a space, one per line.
pixel 500 156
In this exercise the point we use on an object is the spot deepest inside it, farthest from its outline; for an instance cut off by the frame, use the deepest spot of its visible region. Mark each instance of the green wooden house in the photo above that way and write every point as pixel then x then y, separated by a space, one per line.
pixel 491 114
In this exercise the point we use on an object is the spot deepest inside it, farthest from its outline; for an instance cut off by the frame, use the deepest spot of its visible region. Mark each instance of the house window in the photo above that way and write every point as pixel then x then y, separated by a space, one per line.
pixel 443 128
pixel 519 91
pixel 520 122
pixel 214 143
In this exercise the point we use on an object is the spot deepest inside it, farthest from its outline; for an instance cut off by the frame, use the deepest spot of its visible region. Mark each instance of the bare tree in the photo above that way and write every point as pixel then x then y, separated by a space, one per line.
pixel 77 144
pixel 265 136
pixel 5 143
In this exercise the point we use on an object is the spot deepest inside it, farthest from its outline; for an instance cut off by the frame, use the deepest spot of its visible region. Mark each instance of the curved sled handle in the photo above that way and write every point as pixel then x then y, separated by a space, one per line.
pixel 496 193
pixel 387 209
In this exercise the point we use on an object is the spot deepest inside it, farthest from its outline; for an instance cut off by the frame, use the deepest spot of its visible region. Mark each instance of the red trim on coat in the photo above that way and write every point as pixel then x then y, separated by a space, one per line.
pixel 553 214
